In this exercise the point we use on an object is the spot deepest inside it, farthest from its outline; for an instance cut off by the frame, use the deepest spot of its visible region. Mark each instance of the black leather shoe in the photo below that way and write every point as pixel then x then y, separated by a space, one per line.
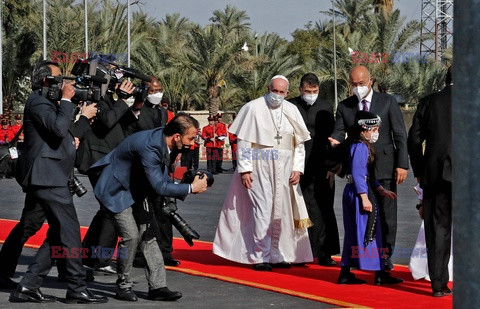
pixel 386 278
pixel 85 297
pixel 171 261
pixel 350 279
pixel 163 294
pixel 262 267
pixel 126 294
pixel 326 261
pixel 7 284
pixel 445 292
pixel 281 265
pixel 24 294
pixel 387 264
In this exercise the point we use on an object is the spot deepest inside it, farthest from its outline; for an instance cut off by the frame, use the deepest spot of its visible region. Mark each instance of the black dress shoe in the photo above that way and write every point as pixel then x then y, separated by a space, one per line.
pixel 281 265
pixel 126 294
pixel 387 264
pixel 163 294
pixel 445 292
pixel 7 284
pixel 262 267
pixel 171 261
pixel 85 297
pixel 24 294
pixel 326 261
pixel 350 279
pixel 382 277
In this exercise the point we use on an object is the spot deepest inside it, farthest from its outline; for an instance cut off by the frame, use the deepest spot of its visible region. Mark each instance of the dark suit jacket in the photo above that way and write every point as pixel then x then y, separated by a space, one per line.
pixel 391 148
pixel 151 117
pixel 49 145
pixel 320 122
pixel 432 123
pixel 138 164
pixel 106 132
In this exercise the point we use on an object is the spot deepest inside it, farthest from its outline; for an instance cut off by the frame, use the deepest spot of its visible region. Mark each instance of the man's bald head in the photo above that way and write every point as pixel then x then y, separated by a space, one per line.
pixel 360 77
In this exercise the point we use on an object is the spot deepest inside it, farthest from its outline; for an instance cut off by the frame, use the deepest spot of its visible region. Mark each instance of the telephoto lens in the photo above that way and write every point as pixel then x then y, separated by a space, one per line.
pixel 188 233
pixel 76 187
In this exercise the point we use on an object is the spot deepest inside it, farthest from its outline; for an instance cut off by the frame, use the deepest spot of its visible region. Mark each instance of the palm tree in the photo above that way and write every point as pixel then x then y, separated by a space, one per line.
pixel 383 6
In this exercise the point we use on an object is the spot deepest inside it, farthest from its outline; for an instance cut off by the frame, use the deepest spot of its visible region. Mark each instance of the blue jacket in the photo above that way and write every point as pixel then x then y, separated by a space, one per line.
pixel 139 164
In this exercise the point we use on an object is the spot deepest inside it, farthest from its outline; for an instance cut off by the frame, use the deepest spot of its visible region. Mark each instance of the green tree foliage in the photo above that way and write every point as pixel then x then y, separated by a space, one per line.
pixel 224 64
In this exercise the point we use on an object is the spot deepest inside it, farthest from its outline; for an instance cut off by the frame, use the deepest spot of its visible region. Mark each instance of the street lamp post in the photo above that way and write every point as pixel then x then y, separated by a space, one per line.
pixel 334 60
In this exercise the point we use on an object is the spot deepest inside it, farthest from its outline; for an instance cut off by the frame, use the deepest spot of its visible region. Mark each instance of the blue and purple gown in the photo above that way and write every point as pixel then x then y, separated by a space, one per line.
pixel 355 220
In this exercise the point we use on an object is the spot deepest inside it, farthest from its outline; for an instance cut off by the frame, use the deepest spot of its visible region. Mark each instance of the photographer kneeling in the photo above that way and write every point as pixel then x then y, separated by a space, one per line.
pixel 133 170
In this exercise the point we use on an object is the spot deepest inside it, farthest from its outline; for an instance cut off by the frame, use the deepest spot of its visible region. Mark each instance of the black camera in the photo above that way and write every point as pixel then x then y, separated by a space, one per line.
pixel 188 233
pixel 87 88
pixel 190 175
pixel 76 187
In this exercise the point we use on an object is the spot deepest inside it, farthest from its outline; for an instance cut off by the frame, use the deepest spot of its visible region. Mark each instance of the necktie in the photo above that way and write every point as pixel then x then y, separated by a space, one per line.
pixel 365 106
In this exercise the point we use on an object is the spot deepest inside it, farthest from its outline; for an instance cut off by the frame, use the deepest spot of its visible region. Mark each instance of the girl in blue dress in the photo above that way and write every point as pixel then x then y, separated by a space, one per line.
pixel 362 247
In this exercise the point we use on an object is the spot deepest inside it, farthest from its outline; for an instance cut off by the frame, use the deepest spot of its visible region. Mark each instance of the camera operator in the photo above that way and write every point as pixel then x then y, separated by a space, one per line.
pixel 49 156
pixel 106 133
pixel 144 157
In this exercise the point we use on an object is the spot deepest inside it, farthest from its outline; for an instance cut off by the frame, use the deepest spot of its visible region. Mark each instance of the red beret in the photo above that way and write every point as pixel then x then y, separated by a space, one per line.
pixel 18 117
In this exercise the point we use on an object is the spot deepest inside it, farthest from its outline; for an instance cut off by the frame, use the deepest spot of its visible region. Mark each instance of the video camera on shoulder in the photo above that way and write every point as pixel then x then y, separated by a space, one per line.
pixel 87 88
pixel 115 74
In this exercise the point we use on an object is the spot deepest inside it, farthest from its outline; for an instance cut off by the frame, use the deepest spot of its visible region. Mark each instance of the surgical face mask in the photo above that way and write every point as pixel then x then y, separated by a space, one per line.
pixel 155 98
pixel 310 98
pixel 373 137
pixel 275 100
pixel 360 91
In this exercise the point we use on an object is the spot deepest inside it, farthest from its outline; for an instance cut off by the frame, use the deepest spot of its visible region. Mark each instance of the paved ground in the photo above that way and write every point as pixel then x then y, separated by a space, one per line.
pixel 201 212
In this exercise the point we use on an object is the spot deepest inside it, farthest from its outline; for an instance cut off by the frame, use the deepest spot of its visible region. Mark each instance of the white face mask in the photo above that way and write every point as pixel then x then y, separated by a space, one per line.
pixel 275 100
pixel 310 98
pixel 155 98
pixel 360 91
pixel 374 137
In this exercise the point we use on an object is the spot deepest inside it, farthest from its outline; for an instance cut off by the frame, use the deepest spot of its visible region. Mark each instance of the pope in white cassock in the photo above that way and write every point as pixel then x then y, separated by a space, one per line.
pixel 264 219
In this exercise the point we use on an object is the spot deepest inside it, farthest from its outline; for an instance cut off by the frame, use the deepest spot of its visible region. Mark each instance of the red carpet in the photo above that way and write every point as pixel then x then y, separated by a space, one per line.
pixel 311 282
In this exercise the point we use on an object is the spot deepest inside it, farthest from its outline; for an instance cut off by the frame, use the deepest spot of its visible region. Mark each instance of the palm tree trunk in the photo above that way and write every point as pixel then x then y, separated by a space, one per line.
pixel 213 92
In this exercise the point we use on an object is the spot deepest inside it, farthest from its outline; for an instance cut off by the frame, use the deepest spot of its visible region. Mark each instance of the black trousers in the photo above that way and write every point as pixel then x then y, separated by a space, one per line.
pixel 437 213
pixel 388 216
pixel 211 159
pixel 219 160
pixel 33 216
pixel 190 159
pixel 101 233
pixel 64 232
pixel 319 199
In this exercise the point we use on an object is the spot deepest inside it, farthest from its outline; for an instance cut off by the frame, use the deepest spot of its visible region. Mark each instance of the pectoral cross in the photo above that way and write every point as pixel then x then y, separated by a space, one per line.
pixel 278 137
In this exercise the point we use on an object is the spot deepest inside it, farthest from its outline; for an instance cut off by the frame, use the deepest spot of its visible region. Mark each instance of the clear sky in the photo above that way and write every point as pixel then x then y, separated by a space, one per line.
pixel 280 16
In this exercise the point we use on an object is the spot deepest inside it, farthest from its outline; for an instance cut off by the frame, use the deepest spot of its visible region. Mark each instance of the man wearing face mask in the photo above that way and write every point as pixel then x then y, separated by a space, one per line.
pixel 318 185
pixel 264 219
pixel 390 148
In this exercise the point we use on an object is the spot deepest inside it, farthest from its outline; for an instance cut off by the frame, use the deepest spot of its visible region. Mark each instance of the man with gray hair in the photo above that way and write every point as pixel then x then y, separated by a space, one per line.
pixel 264 219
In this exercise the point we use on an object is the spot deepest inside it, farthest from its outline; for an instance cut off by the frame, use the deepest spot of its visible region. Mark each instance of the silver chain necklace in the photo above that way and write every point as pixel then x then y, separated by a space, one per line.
pixel 278 137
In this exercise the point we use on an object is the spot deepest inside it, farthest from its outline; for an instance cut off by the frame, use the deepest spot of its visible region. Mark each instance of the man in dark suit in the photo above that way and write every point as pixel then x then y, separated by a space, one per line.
pixel 106 133
pixel 49 156
pixel 390 150
pixel 317 183
pixel 432 123
pixel 138 168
